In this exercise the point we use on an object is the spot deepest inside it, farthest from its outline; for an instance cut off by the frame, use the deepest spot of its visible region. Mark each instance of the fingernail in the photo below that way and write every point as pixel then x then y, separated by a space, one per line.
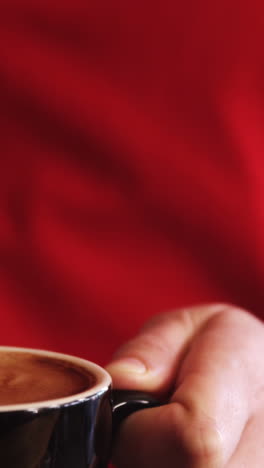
pixel 130 365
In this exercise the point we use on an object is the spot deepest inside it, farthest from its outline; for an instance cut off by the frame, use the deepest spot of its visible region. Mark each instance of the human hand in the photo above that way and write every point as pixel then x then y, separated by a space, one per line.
pixel 210 360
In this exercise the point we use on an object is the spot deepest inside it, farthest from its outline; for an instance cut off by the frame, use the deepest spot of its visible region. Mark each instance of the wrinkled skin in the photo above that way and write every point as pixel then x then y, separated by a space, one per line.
pixel 210 360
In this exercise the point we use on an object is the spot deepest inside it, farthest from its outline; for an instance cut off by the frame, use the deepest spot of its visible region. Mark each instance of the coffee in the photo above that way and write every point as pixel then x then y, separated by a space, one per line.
pixel 28 378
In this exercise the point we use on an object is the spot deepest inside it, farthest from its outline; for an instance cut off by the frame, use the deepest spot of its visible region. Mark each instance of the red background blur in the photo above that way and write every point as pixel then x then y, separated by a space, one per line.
pixel 131 162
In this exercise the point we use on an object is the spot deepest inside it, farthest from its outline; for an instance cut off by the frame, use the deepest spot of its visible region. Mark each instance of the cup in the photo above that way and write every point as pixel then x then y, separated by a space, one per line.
pixel 59 411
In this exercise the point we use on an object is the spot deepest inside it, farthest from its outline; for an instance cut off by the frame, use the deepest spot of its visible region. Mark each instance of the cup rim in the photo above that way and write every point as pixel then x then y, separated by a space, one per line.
pixel 103 381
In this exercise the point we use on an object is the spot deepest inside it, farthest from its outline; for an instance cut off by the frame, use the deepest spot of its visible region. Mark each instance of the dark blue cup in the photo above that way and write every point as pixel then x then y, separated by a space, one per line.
pixel 70 432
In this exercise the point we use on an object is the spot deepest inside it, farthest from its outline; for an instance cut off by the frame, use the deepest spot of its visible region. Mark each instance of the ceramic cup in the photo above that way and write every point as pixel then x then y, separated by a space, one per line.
pixel 42 426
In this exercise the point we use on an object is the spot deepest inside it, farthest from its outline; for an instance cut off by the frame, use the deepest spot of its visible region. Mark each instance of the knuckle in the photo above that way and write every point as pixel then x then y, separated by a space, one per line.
pixel 153 342
pixel 227 313
pixel 234 310
pixel 196 436
pixel 233 315
pixel 144 346
pixel 224 307
pixel 204 444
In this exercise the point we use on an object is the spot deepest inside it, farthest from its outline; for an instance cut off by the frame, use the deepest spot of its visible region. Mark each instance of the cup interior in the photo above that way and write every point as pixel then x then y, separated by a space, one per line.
pixel 98 380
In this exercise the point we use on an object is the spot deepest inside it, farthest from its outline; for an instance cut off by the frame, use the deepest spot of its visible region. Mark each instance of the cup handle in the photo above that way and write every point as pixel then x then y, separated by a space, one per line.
pixel 126 402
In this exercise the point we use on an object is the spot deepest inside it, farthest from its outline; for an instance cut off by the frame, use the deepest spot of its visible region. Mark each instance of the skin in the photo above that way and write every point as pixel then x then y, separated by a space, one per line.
pixel 207 362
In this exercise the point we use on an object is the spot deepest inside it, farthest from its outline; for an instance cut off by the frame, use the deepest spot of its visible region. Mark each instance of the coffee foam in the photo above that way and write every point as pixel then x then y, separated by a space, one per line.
pixel 27 378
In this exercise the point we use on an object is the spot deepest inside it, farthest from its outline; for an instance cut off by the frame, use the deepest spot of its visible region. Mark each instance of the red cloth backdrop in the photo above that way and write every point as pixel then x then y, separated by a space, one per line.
pixel 131 165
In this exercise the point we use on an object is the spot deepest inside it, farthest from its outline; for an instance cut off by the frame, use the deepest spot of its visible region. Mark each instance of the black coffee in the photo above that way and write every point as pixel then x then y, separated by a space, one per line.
pixel 29 378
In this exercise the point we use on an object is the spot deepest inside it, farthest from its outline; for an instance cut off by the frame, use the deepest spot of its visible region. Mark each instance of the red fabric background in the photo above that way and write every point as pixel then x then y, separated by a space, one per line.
pixel 131 169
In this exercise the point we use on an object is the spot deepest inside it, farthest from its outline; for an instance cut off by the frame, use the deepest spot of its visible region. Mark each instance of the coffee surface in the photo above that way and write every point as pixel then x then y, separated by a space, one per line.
pixel 30 378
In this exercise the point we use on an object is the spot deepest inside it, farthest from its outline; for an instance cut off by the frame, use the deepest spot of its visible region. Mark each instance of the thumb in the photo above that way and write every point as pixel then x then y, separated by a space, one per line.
pixel 150 361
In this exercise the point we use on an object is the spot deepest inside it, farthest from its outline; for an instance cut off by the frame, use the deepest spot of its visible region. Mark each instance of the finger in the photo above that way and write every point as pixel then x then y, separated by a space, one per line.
pixel 168 437
pixel 213 399
pixel 250 451
pixel 149 361
pixel 216 381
